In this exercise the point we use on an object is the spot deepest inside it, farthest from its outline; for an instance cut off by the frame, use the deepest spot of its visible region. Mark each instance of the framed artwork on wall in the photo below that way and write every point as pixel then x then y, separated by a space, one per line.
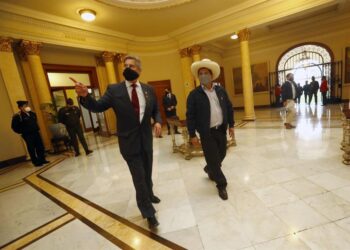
pixel 259 78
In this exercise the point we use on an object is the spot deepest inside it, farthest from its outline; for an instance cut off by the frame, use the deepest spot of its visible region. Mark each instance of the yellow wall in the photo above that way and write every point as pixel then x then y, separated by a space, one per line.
pixel 166 67
pixel 16 147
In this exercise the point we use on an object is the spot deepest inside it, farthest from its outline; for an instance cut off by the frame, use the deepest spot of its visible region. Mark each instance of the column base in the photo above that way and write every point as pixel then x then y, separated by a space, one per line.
pixel 248 118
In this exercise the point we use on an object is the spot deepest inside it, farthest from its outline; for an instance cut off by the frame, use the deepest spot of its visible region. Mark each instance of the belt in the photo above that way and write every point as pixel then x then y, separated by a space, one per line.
pixel 216 127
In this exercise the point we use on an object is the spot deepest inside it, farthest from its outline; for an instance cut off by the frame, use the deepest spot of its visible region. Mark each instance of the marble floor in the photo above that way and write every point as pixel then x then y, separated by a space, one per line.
pixel 288 189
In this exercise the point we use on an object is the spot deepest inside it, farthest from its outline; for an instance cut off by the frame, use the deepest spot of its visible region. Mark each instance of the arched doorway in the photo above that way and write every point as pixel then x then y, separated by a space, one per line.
pixel 307 60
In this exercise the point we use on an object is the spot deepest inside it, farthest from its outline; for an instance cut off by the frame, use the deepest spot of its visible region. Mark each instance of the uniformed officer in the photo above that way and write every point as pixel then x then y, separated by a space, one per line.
pixel 25 123
pixel 70 116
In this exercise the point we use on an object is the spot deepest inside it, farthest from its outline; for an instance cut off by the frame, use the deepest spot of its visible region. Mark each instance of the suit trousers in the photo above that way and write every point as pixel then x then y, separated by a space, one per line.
pixel 140 166
pixel 73 133
pixel 310 97
pixel 35 147
pixel 214 149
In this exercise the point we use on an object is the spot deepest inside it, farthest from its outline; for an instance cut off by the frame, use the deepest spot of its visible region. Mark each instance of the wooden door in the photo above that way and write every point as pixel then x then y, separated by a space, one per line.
pixel 159 88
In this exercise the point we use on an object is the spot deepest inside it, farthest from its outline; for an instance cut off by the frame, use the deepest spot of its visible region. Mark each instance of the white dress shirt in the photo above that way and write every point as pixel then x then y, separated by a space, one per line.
pixel 140 95
pixel 216 118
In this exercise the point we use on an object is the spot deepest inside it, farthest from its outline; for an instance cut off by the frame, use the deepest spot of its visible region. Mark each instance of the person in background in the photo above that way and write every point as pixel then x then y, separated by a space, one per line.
pixel 169 104
pixel 289 94
pixel 25 123
pixel 299 92
pixel 324 90
pixel 210 113
pixel 314 86
pixel 70 117
pixel 278 94
pixel 306 88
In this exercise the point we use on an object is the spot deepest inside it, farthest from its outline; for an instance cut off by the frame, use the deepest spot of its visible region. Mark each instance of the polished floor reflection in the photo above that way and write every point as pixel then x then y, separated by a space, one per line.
pixel 288 189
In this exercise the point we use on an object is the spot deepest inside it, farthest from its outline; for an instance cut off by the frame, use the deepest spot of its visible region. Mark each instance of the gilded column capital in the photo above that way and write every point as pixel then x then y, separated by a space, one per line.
pixel 31 48
pixel 99 61
pixel 243 35
pixel 185 52
pixel 108 56
pixel 6 44
pixel 196 49
pixel 120 57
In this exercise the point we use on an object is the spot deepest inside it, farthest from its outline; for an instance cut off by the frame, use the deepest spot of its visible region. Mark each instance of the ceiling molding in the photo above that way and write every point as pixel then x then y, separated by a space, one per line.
pixel 144 4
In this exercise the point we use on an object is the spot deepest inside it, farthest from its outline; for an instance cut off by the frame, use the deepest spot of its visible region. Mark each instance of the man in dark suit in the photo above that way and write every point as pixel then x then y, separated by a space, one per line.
pixel 169 104
pixel 134 104
pixel 25 123
pixel 210 113
pixel 289 94
pixel 314 87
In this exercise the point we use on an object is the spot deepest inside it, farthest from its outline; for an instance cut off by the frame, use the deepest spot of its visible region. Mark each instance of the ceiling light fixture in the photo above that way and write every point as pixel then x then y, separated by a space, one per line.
pixel 234 36
pixel 87 15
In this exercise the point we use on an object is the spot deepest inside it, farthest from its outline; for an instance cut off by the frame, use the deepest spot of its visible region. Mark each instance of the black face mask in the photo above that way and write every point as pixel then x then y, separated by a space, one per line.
pixel 130 75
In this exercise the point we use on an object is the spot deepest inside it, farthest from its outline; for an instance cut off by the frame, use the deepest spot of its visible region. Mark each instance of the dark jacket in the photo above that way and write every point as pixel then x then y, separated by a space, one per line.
pixel 198 111
pixel 69 116
pixel 287 92
pixel 133 136
pixel 25 124
pixel 167 103
pixel 306 89
pixel 314 86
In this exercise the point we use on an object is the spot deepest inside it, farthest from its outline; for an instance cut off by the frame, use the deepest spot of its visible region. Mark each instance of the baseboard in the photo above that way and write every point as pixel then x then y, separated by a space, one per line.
pixel 12 161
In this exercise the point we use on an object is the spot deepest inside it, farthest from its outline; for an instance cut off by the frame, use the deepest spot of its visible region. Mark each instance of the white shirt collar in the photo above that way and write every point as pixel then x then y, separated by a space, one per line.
pixel 128 84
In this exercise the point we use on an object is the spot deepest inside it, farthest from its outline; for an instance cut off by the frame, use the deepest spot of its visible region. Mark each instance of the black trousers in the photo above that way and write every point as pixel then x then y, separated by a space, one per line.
pixel 35 147
pixel 73 133
pixel 324 98
pixel 214 149
pixel 305 96
pixel 140 166
pixel 310 97
pixel 298 99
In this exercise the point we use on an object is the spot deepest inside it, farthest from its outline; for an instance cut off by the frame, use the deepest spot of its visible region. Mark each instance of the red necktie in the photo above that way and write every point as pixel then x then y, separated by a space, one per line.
pixel 135 101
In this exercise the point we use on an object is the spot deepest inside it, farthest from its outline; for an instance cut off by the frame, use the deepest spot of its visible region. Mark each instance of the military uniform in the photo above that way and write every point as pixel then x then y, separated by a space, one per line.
pixel 25 123
pixel 70 117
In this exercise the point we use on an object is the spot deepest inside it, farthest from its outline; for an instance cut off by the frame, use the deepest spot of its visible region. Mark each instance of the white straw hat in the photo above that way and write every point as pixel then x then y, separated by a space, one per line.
pixel 206 63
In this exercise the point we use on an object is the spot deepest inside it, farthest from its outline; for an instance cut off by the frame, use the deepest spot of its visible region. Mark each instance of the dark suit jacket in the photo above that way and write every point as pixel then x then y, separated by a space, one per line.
pixel 198 111
pixel 167 103
pixel 287 92
pixel 133 136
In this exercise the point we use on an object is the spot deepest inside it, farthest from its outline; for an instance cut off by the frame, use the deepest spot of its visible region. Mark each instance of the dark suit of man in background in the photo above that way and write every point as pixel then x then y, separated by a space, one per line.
pixel 25 123
pixel 210 113
pixel 134 104
pixel 169 104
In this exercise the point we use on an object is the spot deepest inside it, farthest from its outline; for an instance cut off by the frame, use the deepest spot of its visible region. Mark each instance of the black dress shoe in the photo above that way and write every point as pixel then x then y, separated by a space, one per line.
pixel 45 162
pixel 178 133
pixel 206 171
pixel 155 199
pixel 223 193
pixel 152 222
pixel 38 164
pixel 89 152
pixel 77 154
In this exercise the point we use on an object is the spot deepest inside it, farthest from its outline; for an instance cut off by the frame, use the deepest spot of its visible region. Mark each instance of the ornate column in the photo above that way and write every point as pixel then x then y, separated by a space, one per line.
pixel 195 50
pixel 40 88
pixel 246 76
pixel 108 59
pixel 186 61
pixel 119 58
pixel 10 74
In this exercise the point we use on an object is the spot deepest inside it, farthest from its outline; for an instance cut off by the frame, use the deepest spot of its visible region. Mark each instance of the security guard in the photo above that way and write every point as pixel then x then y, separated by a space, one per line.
pixel 70 116
pixel 25 123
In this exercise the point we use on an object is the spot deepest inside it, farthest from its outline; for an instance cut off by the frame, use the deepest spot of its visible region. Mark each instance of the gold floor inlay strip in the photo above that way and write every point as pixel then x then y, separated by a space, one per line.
pixel 38 233
pixel 18 184
pixel 119 231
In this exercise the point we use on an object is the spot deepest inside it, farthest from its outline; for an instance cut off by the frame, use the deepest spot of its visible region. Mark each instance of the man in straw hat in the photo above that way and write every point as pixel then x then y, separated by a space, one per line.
pixel 210 113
